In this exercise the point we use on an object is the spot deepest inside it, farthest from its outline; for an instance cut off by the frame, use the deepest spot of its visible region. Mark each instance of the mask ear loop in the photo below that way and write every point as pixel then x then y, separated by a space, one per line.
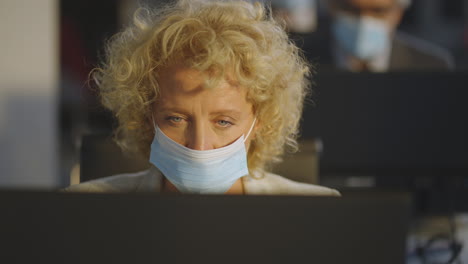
pixel 154 124
pixel 250 130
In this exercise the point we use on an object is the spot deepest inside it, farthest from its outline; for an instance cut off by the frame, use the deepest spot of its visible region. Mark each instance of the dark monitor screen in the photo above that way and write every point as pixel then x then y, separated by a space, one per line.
pixel 43 227
pixel 395 123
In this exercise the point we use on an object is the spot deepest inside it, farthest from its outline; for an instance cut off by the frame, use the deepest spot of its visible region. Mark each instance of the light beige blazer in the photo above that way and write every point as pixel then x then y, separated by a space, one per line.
pixel 151 181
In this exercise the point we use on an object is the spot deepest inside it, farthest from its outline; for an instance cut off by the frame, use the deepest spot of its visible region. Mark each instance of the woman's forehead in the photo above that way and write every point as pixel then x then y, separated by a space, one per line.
pixel 183 87
pixel 182 80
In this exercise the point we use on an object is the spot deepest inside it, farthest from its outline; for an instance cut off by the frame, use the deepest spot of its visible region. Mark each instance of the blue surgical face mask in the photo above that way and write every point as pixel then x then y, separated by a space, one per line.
pixel 199 171
pixel 364 37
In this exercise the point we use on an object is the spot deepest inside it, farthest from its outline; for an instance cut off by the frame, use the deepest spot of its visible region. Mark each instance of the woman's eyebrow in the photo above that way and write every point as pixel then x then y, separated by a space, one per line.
pixel 232 113
pixel 173 110
pixel 229 112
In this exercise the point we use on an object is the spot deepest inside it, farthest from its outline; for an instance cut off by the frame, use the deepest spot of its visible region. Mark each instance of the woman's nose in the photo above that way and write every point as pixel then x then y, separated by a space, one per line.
pixel 199 138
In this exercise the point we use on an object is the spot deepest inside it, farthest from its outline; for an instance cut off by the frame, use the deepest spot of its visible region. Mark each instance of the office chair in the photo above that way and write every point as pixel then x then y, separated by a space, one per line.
pixel 100 156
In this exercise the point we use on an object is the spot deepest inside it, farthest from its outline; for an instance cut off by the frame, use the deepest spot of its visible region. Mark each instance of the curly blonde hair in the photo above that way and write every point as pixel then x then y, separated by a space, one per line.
pixel 209 36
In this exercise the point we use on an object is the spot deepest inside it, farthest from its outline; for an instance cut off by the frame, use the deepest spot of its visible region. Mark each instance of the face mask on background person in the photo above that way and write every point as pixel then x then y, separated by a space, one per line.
pixel 362 37
pixel 200 171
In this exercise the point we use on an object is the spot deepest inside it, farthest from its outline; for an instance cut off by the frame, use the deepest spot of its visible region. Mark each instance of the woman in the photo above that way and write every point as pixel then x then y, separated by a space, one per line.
pixel 211 92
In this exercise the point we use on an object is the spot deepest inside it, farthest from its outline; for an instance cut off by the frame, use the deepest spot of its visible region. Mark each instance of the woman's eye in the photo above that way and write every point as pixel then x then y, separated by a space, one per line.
pixel 175 119
pixel 224 123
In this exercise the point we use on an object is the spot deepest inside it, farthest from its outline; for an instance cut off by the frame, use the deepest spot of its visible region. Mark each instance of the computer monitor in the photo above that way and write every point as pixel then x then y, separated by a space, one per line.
pixel 401 130
pixel 390 124
pixel 151 228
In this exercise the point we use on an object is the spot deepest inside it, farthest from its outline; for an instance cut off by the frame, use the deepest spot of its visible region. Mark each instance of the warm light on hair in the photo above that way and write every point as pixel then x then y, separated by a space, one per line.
pixel 213 36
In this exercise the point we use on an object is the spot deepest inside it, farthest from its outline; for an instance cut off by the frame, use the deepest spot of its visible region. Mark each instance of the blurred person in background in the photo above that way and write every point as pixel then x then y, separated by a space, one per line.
pixel 362 36
pixel 211 93
pixel 300 16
